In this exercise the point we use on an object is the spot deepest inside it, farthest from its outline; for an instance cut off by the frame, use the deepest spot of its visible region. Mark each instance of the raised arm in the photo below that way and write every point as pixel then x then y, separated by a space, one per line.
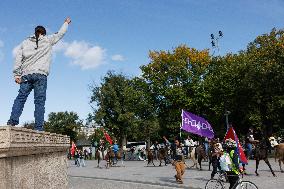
pixel 166 140
pixel 57 36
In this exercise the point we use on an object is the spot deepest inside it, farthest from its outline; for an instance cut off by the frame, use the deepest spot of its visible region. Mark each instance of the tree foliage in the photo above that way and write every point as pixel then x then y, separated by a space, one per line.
pixel 112 103
pixel 176 79
pixel 249 84
pixel 66 123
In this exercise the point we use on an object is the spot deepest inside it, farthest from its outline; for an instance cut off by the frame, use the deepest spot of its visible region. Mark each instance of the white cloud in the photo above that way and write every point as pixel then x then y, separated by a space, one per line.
pixel 117 57
pixel 85 55
pixel 81 53
pixel 60 46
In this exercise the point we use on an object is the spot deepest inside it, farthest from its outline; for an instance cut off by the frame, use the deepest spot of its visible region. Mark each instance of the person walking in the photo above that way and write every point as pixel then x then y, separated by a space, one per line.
pixel 81 158
pixel 248 143
pixel 179 162
pixel 178 159
pixel 206 145
pixel 90 153
pixel 77 158
pixel 215 157
pixel 32 64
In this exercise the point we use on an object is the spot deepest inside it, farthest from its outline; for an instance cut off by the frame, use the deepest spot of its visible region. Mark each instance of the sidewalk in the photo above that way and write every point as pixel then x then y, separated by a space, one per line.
pixel 135 175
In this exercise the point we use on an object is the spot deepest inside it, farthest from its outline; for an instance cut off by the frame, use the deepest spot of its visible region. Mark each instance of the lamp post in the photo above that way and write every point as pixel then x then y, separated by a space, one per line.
pixel 227 113
pixel 215 41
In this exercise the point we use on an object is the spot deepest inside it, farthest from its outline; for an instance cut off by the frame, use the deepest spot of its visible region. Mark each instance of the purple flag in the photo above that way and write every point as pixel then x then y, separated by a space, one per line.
pixel 197 125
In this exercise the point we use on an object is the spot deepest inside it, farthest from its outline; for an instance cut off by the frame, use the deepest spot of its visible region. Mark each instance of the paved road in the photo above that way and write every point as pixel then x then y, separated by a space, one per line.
pixel 135 175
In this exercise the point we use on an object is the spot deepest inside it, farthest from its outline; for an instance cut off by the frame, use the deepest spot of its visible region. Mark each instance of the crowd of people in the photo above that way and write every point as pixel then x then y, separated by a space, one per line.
pixel 223 155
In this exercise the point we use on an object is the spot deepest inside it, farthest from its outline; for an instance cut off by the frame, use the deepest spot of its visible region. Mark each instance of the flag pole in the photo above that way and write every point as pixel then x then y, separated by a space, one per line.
pixel 181 124
pixel 180 131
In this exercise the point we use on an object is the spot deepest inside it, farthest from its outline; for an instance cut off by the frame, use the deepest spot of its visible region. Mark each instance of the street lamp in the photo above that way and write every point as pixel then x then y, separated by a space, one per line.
pixel 215 41
pixel 227 113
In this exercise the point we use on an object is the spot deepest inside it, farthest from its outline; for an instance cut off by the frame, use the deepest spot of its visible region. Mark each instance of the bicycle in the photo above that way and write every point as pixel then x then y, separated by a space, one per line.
pixel 219 183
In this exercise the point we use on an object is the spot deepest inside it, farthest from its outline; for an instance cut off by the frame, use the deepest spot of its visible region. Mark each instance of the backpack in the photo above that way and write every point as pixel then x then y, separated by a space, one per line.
pixel 225 162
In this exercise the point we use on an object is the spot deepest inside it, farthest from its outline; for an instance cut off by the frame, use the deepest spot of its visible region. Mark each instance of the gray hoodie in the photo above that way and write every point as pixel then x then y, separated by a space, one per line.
pixel 30 60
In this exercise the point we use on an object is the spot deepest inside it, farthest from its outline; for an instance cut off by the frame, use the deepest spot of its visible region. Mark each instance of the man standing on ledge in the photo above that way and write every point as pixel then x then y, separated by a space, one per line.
pixel 31 69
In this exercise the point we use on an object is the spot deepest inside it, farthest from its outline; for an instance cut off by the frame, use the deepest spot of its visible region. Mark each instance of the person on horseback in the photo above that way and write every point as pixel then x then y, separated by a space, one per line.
pixel 102 147
pixel 230 161
pixel 115 149
pixel 249 142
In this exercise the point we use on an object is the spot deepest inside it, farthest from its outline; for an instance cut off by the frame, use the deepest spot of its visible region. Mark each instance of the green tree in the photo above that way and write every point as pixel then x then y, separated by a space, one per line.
pixel 266 54
pixel 66 123
pixel 145 110
pixel 112 103
pixel 249 84
pixel 29 125
pixel 176 80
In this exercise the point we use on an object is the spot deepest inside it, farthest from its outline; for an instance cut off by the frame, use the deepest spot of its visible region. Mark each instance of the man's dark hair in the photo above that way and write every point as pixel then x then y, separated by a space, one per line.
pixel 39 30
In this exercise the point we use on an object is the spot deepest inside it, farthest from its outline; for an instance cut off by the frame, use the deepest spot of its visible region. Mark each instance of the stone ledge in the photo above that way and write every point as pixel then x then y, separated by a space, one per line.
pixel 18 141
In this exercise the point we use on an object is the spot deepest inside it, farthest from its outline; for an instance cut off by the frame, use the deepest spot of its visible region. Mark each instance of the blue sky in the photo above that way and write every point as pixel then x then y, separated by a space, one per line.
pixel 117 35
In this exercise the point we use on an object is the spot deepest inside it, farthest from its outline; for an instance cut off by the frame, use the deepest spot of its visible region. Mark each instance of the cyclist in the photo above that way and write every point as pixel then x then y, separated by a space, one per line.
pixel 232 162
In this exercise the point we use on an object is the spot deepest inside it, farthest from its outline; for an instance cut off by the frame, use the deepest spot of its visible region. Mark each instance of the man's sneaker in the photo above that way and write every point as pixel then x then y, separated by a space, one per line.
pixel 179 181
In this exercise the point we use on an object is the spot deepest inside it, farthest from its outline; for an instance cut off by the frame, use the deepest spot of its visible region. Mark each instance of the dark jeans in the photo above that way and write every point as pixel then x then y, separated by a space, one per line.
pixel 249 150
pixel 215 165
pixel 233 178
pixel 38 82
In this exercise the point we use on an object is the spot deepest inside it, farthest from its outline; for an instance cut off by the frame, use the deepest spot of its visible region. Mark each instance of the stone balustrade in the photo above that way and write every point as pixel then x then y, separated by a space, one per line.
pixel 32 159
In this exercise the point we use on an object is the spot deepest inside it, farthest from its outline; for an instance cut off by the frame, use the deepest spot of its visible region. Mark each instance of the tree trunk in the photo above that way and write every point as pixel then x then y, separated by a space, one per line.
pixel 148 143
pixel 123 142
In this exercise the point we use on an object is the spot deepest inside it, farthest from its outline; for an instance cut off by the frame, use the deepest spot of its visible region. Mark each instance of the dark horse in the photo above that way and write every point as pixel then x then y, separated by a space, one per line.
pixel 200 154
pixel 261 153
pixel 163 155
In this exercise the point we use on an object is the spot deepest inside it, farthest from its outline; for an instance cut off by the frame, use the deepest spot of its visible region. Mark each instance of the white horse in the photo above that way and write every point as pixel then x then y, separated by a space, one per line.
pixel 100 155
pixel 191 156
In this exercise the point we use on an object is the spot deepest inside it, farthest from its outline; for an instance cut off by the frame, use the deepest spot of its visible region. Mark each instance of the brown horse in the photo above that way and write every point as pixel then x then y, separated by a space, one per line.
pixel 279 153
pixel 113 158
pixel 261 153
pixel 200 154
pixel 150 157
pixel 163 155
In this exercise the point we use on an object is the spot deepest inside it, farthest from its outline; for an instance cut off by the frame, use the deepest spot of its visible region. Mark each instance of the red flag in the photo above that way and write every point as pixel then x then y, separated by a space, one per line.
pixel 232 134
pixel 107 137
pixel 73 148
